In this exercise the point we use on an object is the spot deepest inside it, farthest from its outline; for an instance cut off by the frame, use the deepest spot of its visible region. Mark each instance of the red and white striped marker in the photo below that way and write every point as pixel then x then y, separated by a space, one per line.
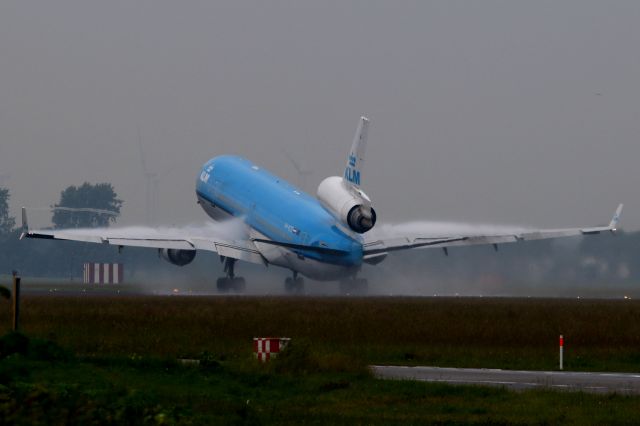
pixel 561 350
pixel 266 348
pixel 103 273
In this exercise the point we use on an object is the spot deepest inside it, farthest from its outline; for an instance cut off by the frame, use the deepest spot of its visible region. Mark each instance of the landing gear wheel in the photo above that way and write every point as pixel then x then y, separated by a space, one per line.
pixel 230 282
pixel 235 284
pixel 238 284
pixel 294 285
pixel 223 284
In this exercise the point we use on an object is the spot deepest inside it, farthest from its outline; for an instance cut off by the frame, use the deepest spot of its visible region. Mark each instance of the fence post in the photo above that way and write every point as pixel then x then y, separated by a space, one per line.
pixel 16 301
pixel 561 350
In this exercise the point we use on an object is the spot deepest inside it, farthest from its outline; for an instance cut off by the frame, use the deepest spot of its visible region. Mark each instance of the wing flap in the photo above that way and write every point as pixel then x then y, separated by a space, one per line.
pixel 240 252
pixel 151 243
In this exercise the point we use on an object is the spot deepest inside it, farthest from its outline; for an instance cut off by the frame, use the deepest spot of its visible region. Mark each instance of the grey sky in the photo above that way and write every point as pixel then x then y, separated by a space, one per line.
pixel 516 112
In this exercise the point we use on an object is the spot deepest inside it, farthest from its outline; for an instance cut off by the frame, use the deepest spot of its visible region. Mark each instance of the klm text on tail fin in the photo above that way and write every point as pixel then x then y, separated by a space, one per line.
pixel 355 162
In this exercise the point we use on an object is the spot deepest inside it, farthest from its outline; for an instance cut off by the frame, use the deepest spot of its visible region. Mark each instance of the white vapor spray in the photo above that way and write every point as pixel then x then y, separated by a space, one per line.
pixel 198 277
pixel 430 272
pixel 535 268
pixel 76 209
pixel 438 229
pixel 232 229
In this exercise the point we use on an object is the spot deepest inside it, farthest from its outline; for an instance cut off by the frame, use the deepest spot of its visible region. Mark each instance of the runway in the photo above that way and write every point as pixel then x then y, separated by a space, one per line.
pixel 626 383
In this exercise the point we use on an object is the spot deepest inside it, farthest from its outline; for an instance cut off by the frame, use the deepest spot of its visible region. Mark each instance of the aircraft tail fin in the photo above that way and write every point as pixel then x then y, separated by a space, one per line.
pixel 353 170
pixel 616 218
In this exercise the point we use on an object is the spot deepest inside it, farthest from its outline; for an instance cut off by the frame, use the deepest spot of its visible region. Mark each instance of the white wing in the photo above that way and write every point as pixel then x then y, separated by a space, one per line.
pixel 375 248
pixel 160 238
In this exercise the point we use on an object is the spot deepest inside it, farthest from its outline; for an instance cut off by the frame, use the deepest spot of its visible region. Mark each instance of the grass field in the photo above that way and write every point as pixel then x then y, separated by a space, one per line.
pixel 118 359
pixel 602 335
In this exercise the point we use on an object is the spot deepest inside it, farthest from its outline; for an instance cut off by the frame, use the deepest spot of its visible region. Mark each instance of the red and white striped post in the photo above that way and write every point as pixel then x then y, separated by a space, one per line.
pixel 103 273
pixel 265 348
pixel 561 350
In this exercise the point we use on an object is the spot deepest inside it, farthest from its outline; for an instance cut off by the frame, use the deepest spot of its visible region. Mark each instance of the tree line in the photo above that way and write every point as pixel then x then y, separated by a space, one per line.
pixel 98 206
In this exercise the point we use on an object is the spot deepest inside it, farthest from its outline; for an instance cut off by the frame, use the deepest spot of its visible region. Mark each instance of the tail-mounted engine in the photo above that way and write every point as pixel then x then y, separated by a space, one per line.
pixel 178 257
pixel 350 204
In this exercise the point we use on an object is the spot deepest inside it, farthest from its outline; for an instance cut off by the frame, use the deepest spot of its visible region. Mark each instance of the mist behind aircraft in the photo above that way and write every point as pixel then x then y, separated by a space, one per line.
pixel 523 113
pixel 435 229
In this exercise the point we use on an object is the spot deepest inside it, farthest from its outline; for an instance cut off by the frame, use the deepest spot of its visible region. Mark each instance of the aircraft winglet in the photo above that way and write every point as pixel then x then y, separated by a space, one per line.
pixel 616 218
pixel 25 224
pixel 353 171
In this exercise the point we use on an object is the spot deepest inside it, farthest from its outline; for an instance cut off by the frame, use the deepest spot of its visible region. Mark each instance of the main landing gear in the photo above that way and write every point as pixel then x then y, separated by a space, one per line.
pixel 294 285
pixel 354 286
pixel 230 282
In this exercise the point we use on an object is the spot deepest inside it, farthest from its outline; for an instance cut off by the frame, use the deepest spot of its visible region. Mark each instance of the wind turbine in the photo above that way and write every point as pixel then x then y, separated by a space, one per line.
pixel 152 185
pixel 302 170
pixel 4 177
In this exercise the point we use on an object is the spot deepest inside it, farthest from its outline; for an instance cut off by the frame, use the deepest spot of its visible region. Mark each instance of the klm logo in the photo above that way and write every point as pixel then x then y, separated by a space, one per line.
pixel 352 175
pixel 352 160
pixel 291 229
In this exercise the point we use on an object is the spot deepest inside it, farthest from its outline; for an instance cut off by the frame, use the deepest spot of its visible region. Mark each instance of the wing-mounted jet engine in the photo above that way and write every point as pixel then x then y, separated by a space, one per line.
pixel 178 257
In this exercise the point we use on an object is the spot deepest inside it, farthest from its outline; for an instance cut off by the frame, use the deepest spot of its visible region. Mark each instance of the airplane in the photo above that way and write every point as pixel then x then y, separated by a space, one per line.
pixel 323 238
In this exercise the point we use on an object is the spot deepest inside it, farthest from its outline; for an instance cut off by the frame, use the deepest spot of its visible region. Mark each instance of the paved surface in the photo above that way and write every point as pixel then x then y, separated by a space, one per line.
pixel 627 383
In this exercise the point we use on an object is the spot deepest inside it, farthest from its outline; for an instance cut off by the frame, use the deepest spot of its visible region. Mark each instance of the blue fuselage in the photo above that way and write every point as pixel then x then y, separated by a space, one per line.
pixel 233 186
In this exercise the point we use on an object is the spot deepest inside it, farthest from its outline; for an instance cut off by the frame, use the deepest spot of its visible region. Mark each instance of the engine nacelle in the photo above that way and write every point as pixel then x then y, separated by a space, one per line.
pixel 178 257
pixel 350 204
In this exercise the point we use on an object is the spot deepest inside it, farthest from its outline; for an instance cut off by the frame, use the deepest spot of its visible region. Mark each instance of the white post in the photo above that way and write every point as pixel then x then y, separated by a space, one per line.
pixel 561 350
